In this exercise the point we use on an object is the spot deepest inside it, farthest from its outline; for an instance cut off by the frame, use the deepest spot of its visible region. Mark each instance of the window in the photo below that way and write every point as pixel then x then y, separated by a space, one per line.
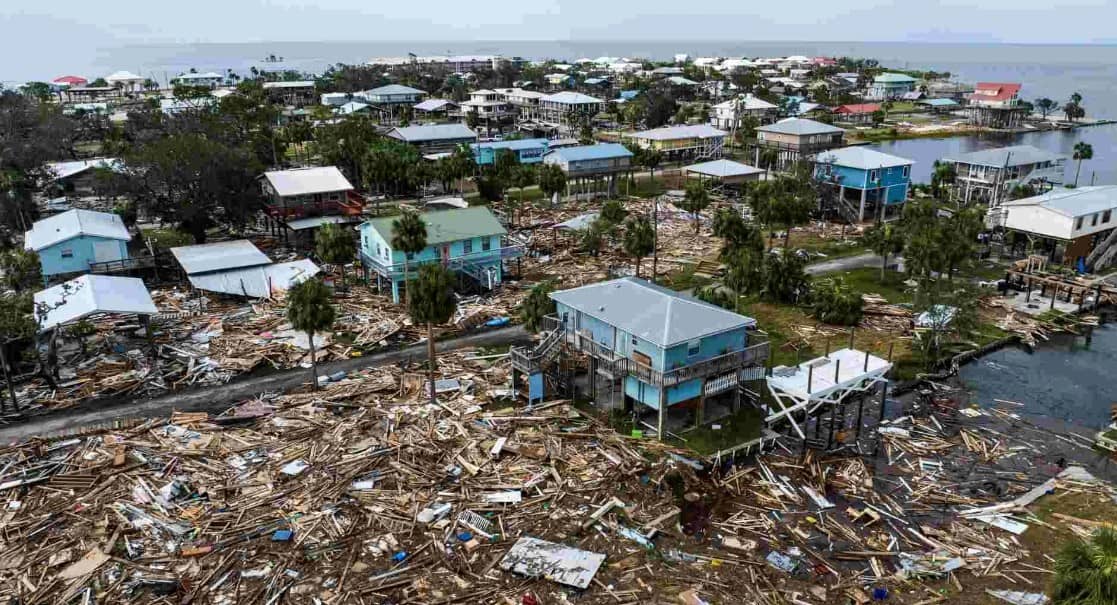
pixel 693 348
pixel 377 247
pixel 486 243
pixel 634 341
pixel 874 176
pixel 1078 223
pixel 1105 216
pixel 907 171
pixel 467 246
pixel 334 197
pixel 1094 221
pixel 410 256
pixel 67 253
pixel 826 170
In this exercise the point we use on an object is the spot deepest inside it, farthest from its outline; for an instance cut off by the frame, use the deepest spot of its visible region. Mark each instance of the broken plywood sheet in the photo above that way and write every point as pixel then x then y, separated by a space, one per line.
pixel 538 558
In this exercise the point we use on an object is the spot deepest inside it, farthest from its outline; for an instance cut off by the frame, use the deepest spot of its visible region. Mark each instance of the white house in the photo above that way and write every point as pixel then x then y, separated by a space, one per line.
pixel 1067 223
pixel 209 79
pixel 728 114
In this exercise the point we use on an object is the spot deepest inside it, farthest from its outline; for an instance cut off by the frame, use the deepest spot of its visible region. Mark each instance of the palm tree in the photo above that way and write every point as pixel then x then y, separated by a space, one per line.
pixel 536 306
pixel 884 240
pixel 639 240
pixel 651 158
pixel 309 310
pixel 1082 151
pixel 1086 570
pixel 409 235
pixel 944 173
pixel 695 201
pixel 552 181
pixel 432 303
pixel 334 246
pixel 744 272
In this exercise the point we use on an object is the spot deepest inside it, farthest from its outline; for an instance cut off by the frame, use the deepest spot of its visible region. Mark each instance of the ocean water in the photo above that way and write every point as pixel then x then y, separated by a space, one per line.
pixel 1053 71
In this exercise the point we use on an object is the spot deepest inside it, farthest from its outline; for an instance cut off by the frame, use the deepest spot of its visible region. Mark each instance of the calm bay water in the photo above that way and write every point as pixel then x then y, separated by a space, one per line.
pixel 1102 169
pixel 1063 379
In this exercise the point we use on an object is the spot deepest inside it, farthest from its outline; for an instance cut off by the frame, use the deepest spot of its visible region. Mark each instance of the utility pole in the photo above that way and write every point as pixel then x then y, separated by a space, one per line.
pixel 655 237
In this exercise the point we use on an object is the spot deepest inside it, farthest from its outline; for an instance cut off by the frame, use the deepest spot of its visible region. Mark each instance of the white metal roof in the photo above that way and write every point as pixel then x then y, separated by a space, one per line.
pixel 723 169
pixel 851 369
pixel 90 294
pixel 1014 155
pixel 658 315
pixel 671 133
pixel 123 76
pixel 1074 203
pixel 219 256
pixel 747 102
pixel 256 282
pixel 317 221
pixel 71 224
pixel 862 158
pixel 62 170
pixel 305 181
pixel 570 98
pixel 290 84
pixel 434 104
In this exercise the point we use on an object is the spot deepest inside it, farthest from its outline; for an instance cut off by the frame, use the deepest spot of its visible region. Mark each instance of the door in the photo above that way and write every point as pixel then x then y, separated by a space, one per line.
pixel 445 253
pixel 105 251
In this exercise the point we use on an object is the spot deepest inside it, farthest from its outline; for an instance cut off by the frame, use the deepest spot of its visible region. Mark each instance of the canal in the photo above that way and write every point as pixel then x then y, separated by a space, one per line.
pixel 1102 169
pixel 1065 379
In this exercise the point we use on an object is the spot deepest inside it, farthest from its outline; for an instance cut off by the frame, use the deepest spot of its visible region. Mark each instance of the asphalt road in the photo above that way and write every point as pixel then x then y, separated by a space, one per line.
pixel 847 263
pixel 218 398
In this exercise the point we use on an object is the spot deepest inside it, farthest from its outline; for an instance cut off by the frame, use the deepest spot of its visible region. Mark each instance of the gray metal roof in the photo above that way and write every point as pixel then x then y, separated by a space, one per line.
pixel 674 133
pixel 723 169
pixel 219 256
pixel 800 126
pixel 1074 203
pixel 256 282
pixel 1016 155
pixel 433 132
pixel 658 315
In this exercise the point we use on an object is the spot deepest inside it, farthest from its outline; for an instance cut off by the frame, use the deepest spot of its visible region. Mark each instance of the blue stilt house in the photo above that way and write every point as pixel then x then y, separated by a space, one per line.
pixel 870 183
pixel 468 241
pixel 667 349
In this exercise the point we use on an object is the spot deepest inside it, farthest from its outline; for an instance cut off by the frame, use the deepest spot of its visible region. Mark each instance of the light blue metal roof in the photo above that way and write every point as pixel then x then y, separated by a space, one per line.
pixel 433 132
pixel 516 145
pixel 939 102
pixel 628 95
pixel 394 89
pixel 861 158
pixel 655 314
pixel 601 151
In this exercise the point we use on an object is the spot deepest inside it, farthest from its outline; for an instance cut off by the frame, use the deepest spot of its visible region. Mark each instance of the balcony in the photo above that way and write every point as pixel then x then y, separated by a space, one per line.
pixel 395 271
pixel 351 204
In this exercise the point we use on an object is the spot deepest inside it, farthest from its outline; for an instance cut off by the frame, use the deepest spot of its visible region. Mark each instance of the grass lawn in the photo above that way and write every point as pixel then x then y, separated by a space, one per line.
pixel 831 247
pixel 168 238
pixel 867 281
pixel 684 279
pixel 736 429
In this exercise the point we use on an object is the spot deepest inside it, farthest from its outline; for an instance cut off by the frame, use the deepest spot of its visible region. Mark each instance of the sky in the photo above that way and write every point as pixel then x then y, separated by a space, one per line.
pixel 60 30
pixel 79 23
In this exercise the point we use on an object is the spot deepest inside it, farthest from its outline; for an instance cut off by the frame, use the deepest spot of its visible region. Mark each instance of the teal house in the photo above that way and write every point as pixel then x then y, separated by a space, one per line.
pixel 468 241
pixel 528 151
pixel 78 241
pixel 869 183
pixel 669 350
pixel 890 86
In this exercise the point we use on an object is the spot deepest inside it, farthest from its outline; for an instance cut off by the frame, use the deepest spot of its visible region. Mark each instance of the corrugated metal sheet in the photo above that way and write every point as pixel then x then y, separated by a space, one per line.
pixel 219 256
pixel 90 294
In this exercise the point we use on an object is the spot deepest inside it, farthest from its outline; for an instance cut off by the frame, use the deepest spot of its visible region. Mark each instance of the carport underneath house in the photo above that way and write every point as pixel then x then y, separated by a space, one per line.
pixel 675 356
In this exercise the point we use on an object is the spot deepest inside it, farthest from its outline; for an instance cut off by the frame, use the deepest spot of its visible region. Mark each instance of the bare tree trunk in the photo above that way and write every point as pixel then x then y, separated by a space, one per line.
pixel 637 266
pixel 313 360
pixel 8 377
pixel 431 359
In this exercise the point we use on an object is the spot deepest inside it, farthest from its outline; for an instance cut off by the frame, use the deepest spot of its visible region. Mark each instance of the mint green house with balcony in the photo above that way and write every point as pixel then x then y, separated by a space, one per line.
pixel 468 241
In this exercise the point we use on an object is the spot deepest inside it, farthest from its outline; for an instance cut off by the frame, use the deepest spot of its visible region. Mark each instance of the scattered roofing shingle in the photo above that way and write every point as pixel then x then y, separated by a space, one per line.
pixel 445 226
pixel 658 315
pixel 862 158
pixel 304 181
pixel 74 223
